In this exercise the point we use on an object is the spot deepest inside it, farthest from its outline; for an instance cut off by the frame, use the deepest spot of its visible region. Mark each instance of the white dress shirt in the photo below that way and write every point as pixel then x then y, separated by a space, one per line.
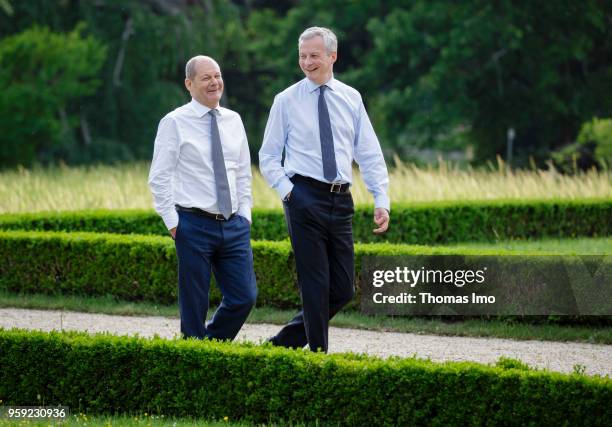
pixel 182 169
pixel 293 124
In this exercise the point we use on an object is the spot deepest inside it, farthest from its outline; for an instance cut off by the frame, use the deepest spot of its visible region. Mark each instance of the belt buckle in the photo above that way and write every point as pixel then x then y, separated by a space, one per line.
pixel 219 217
pixel 335 188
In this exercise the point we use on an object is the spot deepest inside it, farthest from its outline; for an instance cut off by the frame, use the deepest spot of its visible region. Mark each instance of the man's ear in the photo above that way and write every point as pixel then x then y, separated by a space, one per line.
pixel 334 56
pixel 188 84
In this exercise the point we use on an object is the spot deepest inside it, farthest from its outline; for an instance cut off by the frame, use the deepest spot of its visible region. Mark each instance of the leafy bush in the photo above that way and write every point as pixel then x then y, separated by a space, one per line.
pixel 41 73
pixel 593 148
pixel 424 223
pixel 509 363
pixel 128 267
pixel 599 132
pixel 144 267
pixel 109 374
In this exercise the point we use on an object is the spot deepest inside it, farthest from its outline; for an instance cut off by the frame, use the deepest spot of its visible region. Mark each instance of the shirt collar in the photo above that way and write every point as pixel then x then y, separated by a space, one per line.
pixel 312 86
pixel 201 109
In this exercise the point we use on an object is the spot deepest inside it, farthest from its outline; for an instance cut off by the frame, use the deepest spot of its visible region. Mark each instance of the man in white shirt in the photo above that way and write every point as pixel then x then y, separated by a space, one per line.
pixel 200 179
pixel 322 125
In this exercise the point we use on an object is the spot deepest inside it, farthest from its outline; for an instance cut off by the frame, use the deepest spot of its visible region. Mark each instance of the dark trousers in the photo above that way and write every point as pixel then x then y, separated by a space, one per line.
pixel 321 231
pixel 205 244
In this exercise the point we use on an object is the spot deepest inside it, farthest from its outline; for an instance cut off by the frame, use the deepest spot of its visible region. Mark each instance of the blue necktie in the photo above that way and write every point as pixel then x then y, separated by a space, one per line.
pixel 224 199
pixel 328 155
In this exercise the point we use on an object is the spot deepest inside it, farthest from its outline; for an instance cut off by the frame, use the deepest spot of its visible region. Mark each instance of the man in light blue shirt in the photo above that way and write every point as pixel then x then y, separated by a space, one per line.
pixel 322 125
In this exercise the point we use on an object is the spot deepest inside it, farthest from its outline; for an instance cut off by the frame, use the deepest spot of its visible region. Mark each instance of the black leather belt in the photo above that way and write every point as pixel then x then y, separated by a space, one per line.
pixel 332 188
pixel 203 213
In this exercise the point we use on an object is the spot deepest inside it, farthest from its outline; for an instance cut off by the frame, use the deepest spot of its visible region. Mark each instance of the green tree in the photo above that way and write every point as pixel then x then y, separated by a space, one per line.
pixel 542 68
pixel 147 43
pixel 41 75
pixel 433 74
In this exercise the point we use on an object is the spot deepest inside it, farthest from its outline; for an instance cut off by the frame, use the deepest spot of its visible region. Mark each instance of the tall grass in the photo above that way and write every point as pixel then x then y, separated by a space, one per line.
pixel 125 186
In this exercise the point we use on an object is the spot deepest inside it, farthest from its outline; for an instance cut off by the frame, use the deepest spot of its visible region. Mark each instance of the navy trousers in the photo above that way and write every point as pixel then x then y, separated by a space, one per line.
pixel 223 247
pixel 321 231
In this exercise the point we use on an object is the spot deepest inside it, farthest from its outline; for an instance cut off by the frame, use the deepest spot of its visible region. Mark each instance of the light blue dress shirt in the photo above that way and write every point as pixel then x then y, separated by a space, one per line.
pixel 293 125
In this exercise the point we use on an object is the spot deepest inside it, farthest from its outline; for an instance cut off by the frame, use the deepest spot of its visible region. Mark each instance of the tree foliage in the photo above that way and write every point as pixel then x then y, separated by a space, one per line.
pixel 541 68
pixel 148 44
pixel 41 74
pixel 441 74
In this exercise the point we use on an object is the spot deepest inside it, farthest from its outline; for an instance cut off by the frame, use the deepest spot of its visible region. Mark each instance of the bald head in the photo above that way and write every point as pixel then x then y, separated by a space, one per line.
pixel 203 80
pixel 190 68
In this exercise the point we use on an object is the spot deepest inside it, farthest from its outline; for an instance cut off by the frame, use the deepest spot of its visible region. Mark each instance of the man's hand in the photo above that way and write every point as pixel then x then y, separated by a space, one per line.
pixel 173 233
pixel 381 218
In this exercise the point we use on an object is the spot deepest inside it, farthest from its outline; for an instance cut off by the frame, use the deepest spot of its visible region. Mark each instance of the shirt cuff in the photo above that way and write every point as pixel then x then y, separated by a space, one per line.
pixel 284 187
pixel 382 201
pixel 245 212
pixel 171 219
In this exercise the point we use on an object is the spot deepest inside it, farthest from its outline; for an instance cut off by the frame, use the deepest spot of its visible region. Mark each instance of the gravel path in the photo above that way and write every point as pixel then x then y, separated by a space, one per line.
pixel 556 356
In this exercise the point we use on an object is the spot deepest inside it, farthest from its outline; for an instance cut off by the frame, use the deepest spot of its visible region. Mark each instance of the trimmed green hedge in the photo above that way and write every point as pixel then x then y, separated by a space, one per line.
pixel 141 268
pixel 431 223
pixel 105 374
pixel 133 268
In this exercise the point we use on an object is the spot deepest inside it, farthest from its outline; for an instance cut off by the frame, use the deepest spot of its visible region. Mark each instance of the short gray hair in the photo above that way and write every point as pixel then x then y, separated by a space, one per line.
pixel 190 68
pixel 329 38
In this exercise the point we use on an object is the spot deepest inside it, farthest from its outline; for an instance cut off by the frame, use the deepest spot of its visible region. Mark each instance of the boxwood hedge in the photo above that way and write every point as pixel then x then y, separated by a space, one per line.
pixel 424 223
pixel 107 374
pixel 137 268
